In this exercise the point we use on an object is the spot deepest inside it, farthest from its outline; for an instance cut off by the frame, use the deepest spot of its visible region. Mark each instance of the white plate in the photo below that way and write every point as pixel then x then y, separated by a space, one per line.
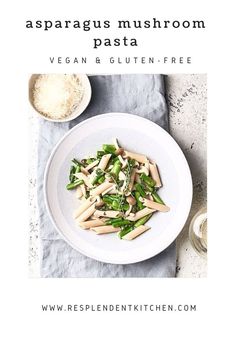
pixel 135 134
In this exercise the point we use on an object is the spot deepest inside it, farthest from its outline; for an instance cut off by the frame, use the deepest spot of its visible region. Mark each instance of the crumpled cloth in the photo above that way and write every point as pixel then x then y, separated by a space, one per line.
pixel 140 94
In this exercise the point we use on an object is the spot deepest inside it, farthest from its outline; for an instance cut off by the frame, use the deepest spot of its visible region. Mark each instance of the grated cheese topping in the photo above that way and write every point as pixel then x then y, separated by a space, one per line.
pixel 56 96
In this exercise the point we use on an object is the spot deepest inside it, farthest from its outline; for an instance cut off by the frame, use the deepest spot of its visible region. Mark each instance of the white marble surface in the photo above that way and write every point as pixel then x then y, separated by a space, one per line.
pixel 187 100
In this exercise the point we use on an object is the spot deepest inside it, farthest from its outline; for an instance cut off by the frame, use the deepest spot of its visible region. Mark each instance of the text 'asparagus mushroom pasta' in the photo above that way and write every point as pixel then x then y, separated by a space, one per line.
pixel 118 190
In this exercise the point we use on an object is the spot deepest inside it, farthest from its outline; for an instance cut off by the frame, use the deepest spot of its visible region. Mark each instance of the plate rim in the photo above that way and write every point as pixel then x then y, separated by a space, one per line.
pixel 46 172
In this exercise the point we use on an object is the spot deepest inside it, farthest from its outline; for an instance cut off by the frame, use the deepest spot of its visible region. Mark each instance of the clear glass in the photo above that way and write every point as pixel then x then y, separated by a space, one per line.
pixel 198 232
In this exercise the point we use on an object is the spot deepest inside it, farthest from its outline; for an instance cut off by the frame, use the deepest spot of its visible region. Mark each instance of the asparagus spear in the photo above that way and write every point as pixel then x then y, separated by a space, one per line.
pixel 147 180
pixel 99 174
pixel 139 204
pixel 90 160
pixel 157 198
pixel 121 223
pixel 125 231
pixel 143 220
pixel 109 149
pixel 101 179
pixel 116 168
pixel 71 175
pixel 100 154
pixel 140 189
pixel 74 184
pixel 76 162
pixel 110 221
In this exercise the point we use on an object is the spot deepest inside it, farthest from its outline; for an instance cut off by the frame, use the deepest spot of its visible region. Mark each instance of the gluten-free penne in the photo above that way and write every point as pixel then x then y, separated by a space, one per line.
pixel 105 229
pixel 118 190
pixel 107 213
pixel 100 189
pixel 84 206
pixel 104 161
pixel 92 165
pixel 84 178
pixel 137 157
pixel 136 232
pixel 154 205
pixel 91 223
pixel 140 214
pixel 79 193
pixel 86 214
pixel 155 174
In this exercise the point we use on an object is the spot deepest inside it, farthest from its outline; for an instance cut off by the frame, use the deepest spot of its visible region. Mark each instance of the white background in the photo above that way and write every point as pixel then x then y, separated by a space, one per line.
pixel 25 328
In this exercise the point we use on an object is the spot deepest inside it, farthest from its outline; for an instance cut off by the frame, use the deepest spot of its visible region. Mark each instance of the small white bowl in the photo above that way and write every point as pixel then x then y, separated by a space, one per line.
pixel 78 110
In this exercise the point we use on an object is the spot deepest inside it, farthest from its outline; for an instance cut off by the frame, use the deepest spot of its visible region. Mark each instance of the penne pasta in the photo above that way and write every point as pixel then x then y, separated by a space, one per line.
pixel 84 171
pixel 84 206
pixel 136 232
pixel 137 157
pixel 105 229
pixel 140 214
pixel 155 174
pixel 85 178
pixel 122 176
pixel 104 161
pixel 83 189
pixel 79 193
pixel 100 189
pixel 91 223
pixel 86 214
pixel 137 178
pixel 92 165
pixel 154 205
pixel 107 213
pixel 111 189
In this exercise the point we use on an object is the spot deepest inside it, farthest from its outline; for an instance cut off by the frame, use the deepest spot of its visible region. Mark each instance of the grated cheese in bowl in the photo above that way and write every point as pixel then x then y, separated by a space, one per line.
pixel 57 96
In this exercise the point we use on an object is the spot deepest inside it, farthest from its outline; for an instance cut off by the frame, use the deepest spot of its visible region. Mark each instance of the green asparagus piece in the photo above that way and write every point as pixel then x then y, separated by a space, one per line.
pixel 111 221
pixel 125 231
pixel 125 207
pixel 99 174
pixel 100 154
pixel 121 223
pixel 157 198
pixel 109 149
pixel 139 204
pixel 107 199
pixel 90 160
pixel 71 175
pixel 142 221
pixel 74 184
pixel 78 169
pixel 114 196
pixel 140 189
pixel 115 205
pixel 76 162
pixel 116 168
pixel 147 180
pixel 101 179
pixel 118 222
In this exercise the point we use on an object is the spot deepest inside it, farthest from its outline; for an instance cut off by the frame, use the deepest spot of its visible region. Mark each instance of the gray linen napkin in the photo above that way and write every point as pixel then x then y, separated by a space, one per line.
pixel 143 95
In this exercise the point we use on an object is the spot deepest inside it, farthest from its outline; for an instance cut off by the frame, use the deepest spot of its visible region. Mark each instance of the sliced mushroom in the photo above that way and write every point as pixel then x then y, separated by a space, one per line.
pixel 131 200
pixel 119 151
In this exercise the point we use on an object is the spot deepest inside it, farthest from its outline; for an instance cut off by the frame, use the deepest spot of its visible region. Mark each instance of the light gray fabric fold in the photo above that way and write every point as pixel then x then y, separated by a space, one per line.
pixel 143 95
